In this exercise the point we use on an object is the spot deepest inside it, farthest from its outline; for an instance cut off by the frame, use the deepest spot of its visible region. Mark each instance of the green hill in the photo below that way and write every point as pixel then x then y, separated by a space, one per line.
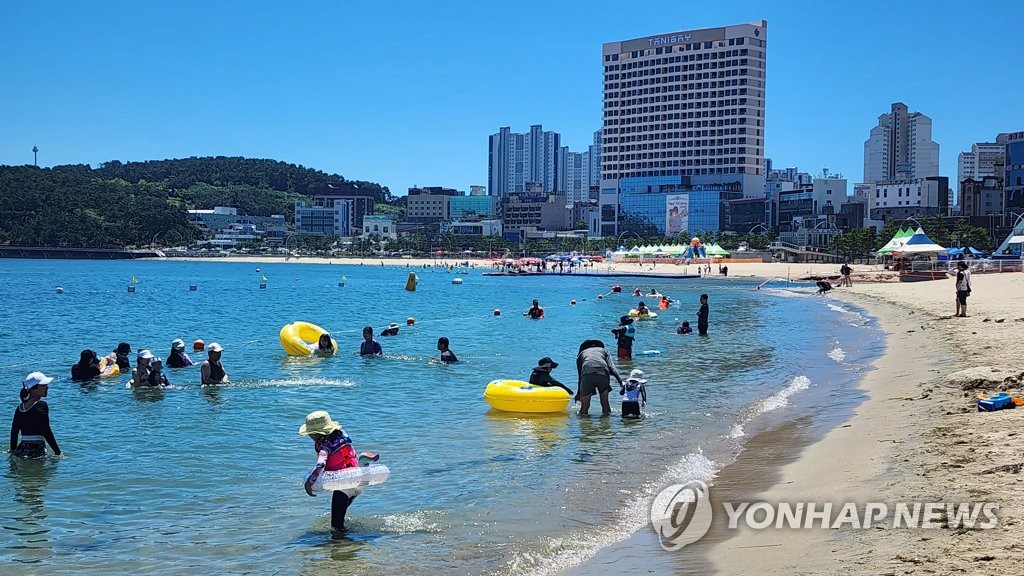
pixel 125 204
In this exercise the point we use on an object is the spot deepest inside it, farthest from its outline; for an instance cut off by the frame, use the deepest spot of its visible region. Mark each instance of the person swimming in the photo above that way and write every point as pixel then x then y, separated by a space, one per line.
pixel 685 328
pixel 642 309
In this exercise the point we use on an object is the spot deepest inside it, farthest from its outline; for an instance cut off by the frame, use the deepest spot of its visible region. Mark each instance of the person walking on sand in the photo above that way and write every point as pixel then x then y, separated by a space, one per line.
pixel 963 288
pixel 594 367
pixel 702 316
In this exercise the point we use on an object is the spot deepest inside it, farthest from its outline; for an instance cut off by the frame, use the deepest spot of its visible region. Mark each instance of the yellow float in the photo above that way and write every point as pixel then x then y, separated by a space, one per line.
pixel 112 370
pixel 648 316
pixel 301 338
pixel 519 396
pixel 411 281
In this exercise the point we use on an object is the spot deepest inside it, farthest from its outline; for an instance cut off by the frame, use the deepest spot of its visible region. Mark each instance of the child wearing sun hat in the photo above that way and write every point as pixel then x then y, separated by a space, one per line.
pixel 334 451
pixel 634 394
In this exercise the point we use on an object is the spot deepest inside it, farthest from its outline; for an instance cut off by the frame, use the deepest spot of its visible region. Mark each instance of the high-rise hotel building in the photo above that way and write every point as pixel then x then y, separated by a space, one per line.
pixel 683 128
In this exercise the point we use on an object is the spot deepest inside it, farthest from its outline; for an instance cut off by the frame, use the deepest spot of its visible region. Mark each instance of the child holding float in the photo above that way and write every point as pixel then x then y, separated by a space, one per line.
pixel 334 451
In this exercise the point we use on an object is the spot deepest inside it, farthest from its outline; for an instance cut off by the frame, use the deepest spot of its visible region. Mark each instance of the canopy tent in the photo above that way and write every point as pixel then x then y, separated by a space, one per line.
pixel 969 250
pixel 919 243
pixel 715 250
pixel 895 242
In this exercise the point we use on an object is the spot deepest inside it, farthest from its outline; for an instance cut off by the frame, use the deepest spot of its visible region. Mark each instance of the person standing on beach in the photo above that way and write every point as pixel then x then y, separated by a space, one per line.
pixel 212 370
pixel 702 316
pixel 32 419
pixel 845 272
pixel 594 367
pixel 963 288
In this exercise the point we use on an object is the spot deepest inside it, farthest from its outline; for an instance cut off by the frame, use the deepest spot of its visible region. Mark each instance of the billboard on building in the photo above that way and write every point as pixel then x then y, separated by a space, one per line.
pixel 677 218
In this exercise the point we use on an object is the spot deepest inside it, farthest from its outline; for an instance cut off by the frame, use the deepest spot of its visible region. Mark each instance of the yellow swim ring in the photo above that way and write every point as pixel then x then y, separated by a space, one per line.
pixel 300 338
pixel 649 315
pixel 519 396
pixel 111 370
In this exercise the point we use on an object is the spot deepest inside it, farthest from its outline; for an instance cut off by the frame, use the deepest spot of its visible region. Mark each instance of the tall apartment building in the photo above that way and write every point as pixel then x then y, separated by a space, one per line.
pixel 1013 198
pixel 594 157
pixel 683 111
pixel 900 147
pixel 574 175
pixel 516 159
pixel 982 160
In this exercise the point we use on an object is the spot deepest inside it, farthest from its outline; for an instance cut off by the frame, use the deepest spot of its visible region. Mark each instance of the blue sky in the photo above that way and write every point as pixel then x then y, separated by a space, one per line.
pixel 406 93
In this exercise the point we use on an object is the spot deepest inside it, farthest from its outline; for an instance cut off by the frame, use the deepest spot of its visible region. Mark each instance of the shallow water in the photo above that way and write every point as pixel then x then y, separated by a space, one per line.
pixel 159 481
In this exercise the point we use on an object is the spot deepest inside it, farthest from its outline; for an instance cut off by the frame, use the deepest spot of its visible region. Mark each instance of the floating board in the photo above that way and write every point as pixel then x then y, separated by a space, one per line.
pixel 650 352
pixel 350 478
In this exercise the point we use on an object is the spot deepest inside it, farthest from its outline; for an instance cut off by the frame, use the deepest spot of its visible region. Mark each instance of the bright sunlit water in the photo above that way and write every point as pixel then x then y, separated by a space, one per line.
pixel 160 482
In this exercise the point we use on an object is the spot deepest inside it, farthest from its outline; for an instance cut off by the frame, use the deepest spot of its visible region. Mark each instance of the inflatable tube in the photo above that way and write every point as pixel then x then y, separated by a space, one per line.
pixel 350 478
pixel 653 295
pixel 107 371
pixel 410 282
pixel 650 352
pixel 519 396
pixel 300 338
pixel 648 316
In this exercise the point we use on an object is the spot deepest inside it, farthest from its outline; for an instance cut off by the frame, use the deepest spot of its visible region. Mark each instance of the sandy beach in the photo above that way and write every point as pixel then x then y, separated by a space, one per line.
pixel 916 438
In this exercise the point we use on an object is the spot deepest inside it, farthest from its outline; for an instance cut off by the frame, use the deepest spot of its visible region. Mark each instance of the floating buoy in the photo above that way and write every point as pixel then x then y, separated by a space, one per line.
pixel 600 296
pixel 263 284
pixel 410 282
pixel 60 290
pixel 258 270
pixel 497 312
pixel 341 284
pixel 456 280
pixel 192 287
pixel 616 288
pixel 410 321
pixel 572 302
pixel 131 289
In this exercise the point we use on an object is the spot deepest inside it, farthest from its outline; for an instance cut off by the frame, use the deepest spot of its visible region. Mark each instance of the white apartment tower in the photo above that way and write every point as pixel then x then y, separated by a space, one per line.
pixel 685 108
pixel 982 160
pixel 517 159
pixel 900 147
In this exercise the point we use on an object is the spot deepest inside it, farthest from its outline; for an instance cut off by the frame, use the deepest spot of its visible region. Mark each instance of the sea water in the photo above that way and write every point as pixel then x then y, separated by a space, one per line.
pixel 210 478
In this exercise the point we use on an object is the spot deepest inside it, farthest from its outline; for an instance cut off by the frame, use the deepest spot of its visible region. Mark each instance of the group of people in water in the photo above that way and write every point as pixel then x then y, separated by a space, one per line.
pixel 148 369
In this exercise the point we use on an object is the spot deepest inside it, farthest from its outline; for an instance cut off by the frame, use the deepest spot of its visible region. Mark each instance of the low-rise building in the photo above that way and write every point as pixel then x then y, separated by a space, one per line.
pixel 472 207
pixel 981 197
pixel 901 199
pixel 330 220
pixel 537 211
pixel 380 225
pixel 224 226
pixel 475 228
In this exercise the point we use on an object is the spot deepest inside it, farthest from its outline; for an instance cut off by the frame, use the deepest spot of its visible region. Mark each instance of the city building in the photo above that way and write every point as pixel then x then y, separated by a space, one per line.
pixel 380 225
pixel 585 215
pixel 1013 199
pixel 472 207
pixel 829 193
pixel 518 158
pixel 427 208
pixel 901 199
pixel 478 190
pixel 682 110
pixel 900 147
pixel 433 191
pixel 227 228
pixel 575 175
pixel 323 220
pixel 359 204
pixel 982 197
pixel 476 228
pixel 533 211
pixel 984 159
pixel 752 215
pixel 594 157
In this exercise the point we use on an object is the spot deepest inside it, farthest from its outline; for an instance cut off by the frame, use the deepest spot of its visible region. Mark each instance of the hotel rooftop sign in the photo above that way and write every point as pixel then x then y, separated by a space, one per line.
pixel 675 38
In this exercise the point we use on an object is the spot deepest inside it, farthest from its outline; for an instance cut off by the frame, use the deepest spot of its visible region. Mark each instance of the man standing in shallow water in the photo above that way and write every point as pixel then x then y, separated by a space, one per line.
pixel 702 316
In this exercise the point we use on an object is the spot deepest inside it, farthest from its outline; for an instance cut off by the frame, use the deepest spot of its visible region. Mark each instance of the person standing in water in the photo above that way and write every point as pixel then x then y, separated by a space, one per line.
pixel 535 312
pixel 334 451
pixel 594 367
pixel 702 316
pixel 32 419
pixel 369 346
pixel 177 358
pixel 447 356
pixel 324 346
pixel 212 370
pixel 634 394
pixel 624 334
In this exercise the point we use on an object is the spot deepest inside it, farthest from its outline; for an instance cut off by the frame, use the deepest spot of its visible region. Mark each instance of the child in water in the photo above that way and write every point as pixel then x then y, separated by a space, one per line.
pixel 156 377
pixel 324 346
pixel 685 328
pixel 334 451
pixel 634 394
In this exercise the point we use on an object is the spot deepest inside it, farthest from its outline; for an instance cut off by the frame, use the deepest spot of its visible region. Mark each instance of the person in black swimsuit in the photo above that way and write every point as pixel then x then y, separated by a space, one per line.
pixel 447 356
pixel 212 370
pixel 32 419
pixel 88 366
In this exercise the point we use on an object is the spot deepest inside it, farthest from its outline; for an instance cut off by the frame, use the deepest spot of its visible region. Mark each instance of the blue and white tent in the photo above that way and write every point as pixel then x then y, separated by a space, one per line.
pixel 919 243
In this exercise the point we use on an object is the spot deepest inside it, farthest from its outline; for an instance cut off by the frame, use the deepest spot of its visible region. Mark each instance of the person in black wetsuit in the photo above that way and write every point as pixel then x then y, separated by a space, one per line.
pixel 88 366
pixel 212 370
pixel 391 330
pixel 32 419
pixel 541 375
pixel 369 346
pixel 447 356
pixel 121 356
pixel 702 316
pixel 156 377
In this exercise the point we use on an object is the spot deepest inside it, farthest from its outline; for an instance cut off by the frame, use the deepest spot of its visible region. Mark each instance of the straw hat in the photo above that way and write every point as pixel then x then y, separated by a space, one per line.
pixel 318 422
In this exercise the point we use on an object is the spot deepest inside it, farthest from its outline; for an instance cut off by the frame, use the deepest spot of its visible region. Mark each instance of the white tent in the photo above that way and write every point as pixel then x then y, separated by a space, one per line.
pixel 919 243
